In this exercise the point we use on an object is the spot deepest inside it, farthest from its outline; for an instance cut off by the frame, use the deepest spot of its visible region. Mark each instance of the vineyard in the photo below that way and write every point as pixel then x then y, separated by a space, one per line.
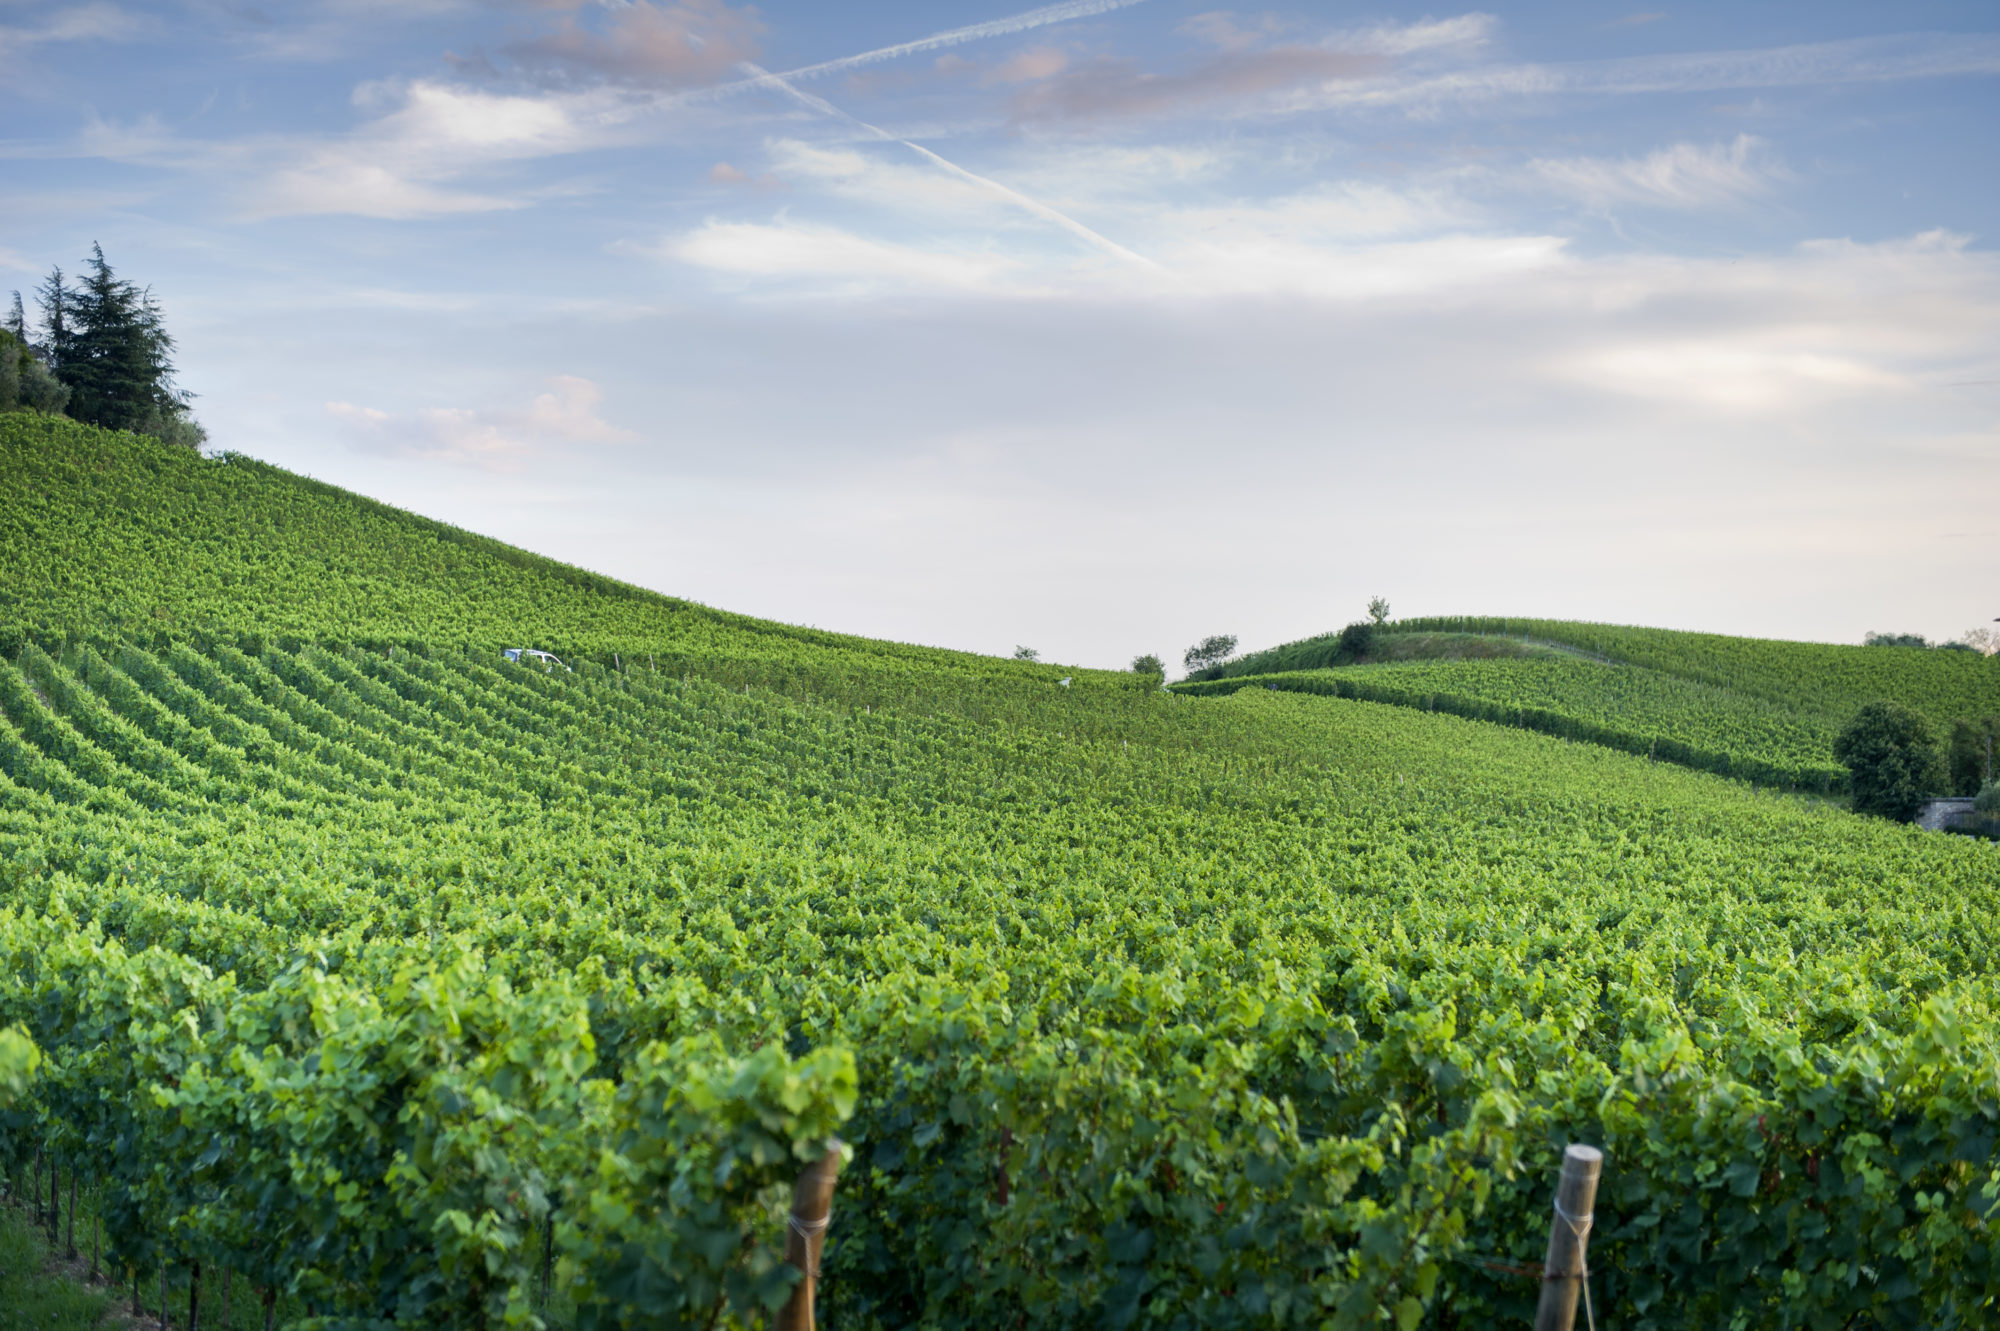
pixel 405 986
pixel 1821 681
pixel 1766 712
pixel 1638 711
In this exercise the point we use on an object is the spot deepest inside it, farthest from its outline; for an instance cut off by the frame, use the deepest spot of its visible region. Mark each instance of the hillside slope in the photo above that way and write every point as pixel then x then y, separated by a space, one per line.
pixel 120 536
pixel 370 968
pixel 1762 711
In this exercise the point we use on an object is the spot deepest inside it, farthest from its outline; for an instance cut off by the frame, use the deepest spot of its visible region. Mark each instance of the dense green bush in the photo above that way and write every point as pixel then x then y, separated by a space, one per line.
pixel 25 383
pixel 1969 757
pixel 1892 760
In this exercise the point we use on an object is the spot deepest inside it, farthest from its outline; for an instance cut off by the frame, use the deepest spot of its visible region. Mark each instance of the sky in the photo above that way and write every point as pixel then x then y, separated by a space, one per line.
pixel 1098 327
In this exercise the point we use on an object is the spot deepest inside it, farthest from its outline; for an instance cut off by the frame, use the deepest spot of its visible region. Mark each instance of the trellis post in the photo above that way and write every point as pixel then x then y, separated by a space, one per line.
pixel 805 1234
pixel 1565 1271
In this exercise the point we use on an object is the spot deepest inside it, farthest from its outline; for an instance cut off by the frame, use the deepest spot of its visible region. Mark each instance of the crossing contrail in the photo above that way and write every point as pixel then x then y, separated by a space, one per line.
pixel 937 41
pixel 999 27
pixel 764 78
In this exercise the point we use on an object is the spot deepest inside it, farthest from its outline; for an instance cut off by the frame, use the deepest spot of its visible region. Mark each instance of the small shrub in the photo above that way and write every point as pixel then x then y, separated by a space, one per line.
pixel 1988 799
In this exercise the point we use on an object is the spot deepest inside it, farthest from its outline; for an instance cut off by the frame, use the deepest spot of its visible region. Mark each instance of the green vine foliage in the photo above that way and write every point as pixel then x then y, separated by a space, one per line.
pixel 381 972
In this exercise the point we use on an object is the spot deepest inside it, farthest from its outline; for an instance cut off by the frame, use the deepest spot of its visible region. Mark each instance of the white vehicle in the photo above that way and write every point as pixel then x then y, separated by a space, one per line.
pixel 525 655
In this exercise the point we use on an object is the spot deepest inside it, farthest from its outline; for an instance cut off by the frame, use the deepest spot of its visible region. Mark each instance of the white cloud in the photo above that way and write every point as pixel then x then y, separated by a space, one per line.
pixel 82 23
pixel 1685 175
pixel 491 437
pixel 335 182
pixel 1861 60
pixel 1758 369
pixel 1835 321
pixel 904 188
pixel 402 164
pixel 1465 33
pixel 409 161
pixel 1347 241
pixel 830 257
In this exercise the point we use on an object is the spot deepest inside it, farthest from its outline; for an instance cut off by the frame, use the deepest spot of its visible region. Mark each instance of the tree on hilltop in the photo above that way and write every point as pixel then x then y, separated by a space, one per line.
pixel 1892 759
pixel 25 383
pixel 1148 664
pixel 1210 651
pixel 106 341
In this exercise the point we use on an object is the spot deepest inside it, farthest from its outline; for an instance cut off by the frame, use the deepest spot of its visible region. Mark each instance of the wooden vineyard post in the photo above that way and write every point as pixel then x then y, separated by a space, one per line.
pixel 1565 1271
pixel 805 1235
pixel 548 1257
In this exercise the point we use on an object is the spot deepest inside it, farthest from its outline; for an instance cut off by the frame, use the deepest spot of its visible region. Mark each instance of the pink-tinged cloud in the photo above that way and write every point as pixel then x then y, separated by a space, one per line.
pixel 1028 67
pixel 685 44
pixel 501 438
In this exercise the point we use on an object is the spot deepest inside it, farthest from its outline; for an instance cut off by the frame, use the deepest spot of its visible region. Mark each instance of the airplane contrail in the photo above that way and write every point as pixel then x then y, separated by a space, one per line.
pixel 999 27
pixel 765 78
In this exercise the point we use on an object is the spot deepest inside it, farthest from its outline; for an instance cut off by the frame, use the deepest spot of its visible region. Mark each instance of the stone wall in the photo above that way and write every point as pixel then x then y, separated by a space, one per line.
pixel 1937 815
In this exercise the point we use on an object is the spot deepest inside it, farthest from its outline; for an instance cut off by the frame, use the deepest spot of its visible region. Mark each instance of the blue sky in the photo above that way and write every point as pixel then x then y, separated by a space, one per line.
pixel 1096 327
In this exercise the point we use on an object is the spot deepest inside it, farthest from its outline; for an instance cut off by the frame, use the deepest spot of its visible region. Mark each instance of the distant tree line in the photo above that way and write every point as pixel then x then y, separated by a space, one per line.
pixel 100 354
pixel 1984 641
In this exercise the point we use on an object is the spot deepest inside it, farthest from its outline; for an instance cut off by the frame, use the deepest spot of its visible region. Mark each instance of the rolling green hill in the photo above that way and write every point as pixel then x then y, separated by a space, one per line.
pixel 1761 711
pixel 118 538
pixel 373 968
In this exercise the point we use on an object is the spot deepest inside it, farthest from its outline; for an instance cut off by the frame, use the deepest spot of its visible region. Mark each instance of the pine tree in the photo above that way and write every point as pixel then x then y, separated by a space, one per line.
pixel 17 321
pixel 55 297
pixel 107 341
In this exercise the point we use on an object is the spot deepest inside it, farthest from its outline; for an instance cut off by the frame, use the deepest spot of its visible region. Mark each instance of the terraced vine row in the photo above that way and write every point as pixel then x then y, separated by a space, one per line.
pixel 1637 711
pixel 354 968
pixel 124 539
pixel 1822 683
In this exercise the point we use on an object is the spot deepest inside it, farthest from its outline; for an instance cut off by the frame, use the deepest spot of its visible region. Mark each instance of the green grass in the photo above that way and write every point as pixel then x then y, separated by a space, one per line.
pixel 34 1295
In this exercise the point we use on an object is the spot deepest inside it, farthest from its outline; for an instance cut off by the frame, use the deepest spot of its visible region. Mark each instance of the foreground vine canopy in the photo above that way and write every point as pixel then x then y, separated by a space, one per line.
pixel 387 974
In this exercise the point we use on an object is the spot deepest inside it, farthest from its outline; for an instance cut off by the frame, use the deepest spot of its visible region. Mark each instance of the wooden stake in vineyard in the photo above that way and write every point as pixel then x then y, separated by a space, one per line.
pixel 1565 1271
pixel 805 1234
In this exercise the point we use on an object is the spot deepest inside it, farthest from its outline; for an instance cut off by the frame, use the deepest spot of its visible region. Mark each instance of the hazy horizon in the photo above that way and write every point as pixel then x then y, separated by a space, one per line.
pixel 1098 327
